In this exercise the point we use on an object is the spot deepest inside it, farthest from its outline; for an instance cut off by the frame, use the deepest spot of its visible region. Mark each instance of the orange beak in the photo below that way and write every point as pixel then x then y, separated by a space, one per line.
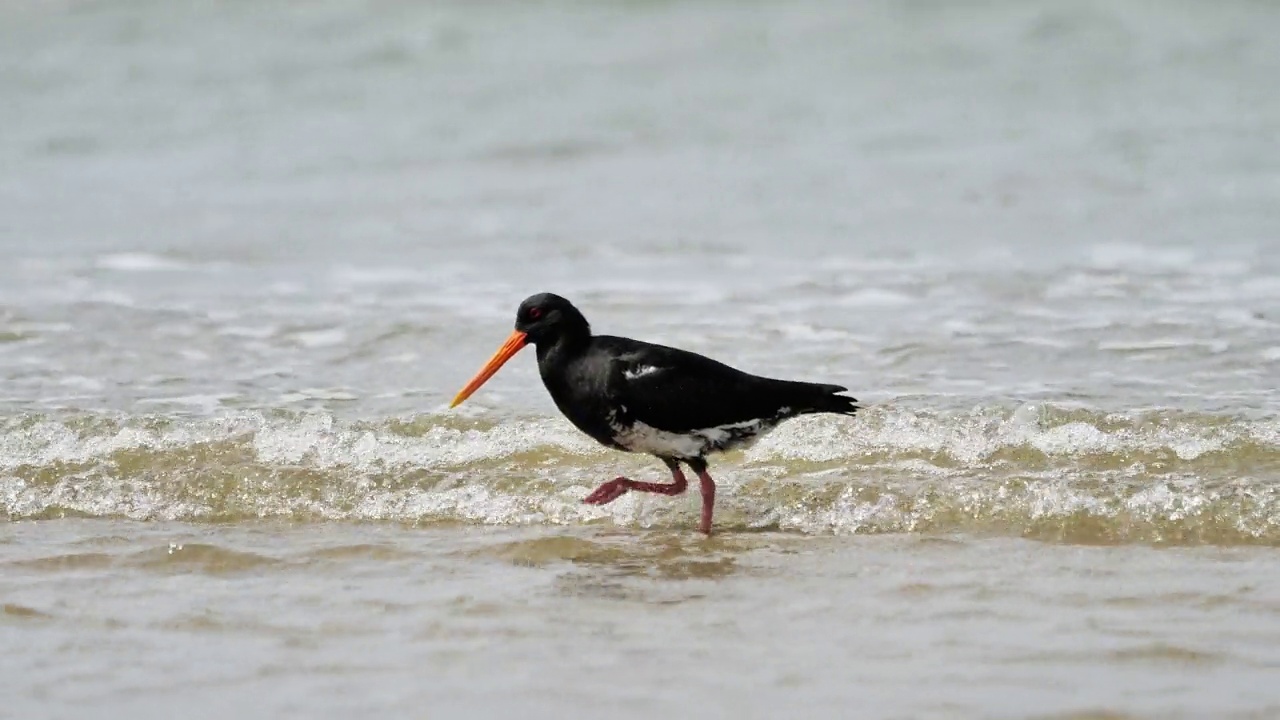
pixel 509 348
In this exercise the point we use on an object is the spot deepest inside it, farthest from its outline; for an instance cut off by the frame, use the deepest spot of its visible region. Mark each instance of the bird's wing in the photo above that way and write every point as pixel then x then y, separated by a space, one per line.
pixel 678 391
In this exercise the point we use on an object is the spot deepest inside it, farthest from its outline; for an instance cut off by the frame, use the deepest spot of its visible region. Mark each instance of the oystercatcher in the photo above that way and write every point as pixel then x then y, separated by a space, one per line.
pixel 636 396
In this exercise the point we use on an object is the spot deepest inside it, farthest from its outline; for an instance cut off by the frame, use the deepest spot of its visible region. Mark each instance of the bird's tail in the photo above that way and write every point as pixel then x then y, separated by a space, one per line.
pixel 826 399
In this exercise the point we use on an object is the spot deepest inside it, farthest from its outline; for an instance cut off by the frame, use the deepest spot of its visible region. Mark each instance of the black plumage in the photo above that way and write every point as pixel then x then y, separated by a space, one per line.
pixel 636 396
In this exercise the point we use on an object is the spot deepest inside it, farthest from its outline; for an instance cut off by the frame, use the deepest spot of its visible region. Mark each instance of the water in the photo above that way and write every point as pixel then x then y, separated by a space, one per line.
pixel 252 250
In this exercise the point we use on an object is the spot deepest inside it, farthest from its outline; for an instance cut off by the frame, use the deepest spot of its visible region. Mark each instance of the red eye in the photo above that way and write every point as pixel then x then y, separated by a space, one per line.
pixel 535 313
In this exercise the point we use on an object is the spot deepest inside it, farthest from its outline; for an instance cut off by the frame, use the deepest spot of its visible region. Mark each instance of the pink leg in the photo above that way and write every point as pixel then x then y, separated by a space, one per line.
pixel 708 500
pixel 616 488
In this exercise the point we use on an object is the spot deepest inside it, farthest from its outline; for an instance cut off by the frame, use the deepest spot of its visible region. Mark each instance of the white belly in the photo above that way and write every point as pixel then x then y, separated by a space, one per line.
pixel 694 443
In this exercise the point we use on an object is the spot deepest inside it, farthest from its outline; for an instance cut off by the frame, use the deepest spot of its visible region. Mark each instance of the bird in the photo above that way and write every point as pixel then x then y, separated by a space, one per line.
pixel 641 397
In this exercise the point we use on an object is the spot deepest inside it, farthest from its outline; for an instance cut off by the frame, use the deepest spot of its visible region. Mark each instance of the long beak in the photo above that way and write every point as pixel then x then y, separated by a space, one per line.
pixel 509 348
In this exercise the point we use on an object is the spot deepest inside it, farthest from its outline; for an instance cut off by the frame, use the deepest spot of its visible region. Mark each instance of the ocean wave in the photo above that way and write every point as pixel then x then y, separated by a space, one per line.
pixel 1047 472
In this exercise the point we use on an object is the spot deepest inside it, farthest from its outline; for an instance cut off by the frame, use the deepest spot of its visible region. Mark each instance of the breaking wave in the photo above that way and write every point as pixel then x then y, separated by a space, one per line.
pixel 1044 472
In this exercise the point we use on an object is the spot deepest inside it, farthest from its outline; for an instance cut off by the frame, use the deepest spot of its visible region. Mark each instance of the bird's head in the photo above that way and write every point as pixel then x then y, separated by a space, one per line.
pixel 542 318
pixel 547 317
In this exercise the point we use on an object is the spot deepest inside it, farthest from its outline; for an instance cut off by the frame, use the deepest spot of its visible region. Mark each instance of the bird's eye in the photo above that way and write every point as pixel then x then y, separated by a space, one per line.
pixel 535 313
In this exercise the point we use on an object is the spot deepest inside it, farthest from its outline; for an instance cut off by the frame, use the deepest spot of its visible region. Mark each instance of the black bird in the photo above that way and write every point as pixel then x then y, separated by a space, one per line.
pixel 635 396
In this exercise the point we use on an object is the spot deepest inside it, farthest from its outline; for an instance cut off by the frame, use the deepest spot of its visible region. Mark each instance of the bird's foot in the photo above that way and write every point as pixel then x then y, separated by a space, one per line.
pixel 608 492
pixel 617 487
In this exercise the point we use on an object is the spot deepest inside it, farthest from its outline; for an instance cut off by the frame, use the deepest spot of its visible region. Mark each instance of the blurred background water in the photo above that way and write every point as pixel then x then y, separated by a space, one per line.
pixel 250 250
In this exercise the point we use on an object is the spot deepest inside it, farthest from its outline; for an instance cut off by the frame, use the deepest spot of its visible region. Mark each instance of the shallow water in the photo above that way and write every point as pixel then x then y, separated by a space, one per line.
pixel 272 620
pixel 252 250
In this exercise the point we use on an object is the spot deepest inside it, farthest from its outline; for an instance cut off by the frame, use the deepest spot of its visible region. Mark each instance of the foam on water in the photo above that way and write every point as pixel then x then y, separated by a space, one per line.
pixel 1033 470
pixel 138 262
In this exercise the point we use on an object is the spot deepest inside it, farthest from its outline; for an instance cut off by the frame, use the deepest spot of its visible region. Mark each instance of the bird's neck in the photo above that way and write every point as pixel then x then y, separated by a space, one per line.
pixel 564 347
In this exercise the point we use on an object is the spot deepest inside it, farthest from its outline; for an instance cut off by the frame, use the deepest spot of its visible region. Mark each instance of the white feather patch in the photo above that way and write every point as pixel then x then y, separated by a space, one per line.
pixel 640 371
pixel 640 437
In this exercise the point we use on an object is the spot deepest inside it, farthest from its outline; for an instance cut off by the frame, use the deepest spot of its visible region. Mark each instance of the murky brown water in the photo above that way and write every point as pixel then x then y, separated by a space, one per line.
pixel 251 250
pixel 271 619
